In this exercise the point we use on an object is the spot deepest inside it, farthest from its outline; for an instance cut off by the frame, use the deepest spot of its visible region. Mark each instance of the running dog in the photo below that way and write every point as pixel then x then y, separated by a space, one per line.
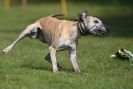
pixel 62 34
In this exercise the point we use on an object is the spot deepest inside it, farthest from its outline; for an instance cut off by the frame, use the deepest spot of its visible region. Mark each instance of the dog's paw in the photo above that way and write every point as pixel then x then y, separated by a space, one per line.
pixel 4 51
pixel 7 49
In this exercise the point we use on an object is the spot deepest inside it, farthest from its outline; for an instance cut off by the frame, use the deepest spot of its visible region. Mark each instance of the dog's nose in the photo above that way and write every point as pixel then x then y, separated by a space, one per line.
pixel 107 28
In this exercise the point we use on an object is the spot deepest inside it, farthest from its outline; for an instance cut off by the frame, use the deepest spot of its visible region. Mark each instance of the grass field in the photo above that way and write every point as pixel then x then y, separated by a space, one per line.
pixel 25 68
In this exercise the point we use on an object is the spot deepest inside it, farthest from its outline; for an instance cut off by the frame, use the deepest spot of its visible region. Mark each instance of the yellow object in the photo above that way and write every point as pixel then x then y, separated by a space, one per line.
pixel 24 3
pixel 64 6
pixel 7 4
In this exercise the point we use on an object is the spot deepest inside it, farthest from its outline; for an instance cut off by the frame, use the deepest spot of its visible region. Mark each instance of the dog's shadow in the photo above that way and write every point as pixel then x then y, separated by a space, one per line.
pixel 33 67
pixel 44 68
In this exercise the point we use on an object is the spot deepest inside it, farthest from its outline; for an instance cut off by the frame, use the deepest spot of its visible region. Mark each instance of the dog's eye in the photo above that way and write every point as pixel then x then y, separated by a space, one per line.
pixel 95 21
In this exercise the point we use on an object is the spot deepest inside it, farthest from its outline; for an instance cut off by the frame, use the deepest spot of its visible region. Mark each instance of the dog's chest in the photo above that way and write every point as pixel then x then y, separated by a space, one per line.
pixel 67 42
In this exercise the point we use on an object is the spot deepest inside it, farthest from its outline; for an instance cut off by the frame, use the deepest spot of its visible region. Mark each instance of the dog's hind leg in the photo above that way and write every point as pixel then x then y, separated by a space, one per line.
pixel 48 58
pixel 8 48
pixel 25 33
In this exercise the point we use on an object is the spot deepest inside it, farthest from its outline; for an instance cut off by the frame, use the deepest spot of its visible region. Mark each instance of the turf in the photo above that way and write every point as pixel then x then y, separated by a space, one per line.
pixel 25 67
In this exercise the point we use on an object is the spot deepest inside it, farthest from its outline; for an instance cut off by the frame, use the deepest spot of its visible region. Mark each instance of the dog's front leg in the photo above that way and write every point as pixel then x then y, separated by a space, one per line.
pixel 53 58
pixel 72 51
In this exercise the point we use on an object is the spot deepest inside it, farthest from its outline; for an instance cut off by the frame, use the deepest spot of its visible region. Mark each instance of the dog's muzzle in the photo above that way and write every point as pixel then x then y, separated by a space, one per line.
pixel 95 30
pixel 98 30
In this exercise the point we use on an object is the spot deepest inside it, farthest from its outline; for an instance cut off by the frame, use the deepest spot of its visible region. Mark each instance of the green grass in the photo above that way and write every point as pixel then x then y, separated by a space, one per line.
pixel 25 67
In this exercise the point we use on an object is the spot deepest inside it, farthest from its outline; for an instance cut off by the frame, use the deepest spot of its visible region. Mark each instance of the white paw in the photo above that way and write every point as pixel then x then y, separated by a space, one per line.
pixel 3 50
pixel 7 49
pixel 55 70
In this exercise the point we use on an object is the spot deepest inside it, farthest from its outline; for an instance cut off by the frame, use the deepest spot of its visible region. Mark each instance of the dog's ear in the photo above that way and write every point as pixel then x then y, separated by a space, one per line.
pixel 84 14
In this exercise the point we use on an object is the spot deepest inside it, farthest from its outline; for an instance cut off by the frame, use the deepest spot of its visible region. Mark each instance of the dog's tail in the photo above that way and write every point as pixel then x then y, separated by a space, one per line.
pixel 55 15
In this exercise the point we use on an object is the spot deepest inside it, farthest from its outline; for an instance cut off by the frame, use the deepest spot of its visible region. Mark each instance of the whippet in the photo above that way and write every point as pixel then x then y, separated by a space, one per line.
pixel 62 34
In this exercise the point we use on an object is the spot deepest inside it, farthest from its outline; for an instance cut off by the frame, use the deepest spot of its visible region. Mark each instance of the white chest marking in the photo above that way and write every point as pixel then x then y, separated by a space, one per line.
pixel 63 44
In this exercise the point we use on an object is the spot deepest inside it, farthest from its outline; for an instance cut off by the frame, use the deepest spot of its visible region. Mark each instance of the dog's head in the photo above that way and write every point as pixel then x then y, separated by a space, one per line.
pixel 92 25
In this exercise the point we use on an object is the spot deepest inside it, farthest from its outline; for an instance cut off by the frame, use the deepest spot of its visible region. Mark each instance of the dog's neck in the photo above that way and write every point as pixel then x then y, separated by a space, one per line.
pixel 81 28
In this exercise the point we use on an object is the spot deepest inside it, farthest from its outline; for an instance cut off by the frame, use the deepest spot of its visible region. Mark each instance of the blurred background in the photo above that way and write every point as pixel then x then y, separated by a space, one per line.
pixel 117 14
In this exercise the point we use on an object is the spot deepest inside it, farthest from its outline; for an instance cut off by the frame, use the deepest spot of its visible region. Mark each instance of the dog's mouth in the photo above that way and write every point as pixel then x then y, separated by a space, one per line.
pixel 99 31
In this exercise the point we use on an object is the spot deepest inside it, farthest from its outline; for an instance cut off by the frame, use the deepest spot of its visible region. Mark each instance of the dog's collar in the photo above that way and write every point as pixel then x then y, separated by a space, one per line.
pixel 82 28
